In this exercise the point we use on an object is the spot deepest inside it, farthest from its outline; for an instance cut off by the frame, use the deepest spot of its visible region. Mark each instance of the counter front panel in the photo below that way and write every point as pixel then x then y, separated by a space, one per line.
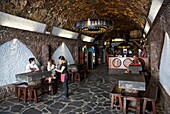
pixel 120 62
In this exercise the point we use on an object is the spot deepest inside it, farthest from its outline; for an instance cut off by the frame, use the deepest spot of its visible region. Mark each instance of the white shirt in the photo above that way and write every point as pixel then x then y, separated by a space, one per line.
pixel 50 67
pixel 29 67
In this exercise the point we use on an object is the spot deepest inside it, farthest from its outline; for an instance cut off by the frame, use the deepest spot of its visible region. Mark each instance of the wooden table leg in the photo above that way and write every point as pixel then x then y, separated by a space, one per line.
pixel 35 96
pixel 124 106
pixel 112 101
pixel 138 106
pixel 120 102
pixel 25 94
pixel 19 94
pixel 153 107
pixel 144 106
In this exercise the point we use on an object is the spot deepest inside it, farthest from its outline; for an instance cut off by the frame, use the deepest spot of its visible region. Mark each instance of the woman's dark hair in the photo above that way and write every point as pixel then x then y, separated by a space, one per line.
pixel 31 59
pixel 61 58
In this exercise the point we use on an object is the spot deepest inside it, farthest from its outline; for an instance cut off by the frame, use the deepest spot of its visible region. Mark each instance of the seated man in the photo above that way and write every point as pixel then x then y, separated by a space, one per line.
pixel 32 66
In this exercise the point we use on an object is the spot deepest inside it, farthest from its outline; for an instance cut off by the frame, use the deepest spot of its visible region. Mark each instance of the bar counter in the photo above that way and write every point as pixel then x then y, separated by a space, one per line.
pixel 123 62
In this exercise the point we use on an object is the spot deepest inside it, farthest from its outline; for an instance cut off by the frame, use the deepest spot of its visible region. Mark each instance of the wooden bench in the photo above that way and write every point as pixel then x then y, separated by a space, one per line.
pixel 150 95
pixel 116 93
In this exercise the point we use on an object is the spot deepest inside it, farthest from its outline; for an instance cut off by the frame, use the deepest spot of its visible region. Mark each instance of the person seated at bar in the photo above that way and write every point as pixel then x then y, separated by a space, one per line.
pixel 51 66
pixel 135 60
pixel 31 67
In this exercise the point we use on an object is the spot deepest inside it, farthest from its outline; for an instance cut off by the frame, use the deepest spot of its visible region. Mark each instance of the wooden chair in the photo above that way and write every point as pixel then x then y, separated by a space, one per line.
pixel 150 95
pixel 116 93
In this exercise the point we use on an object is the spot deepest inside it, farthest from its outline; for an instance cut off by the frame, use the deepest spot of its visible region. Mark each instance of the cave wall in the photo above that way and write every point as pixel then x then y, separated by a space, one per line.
pixel 42 47
pixel 156 41
pixel 35 42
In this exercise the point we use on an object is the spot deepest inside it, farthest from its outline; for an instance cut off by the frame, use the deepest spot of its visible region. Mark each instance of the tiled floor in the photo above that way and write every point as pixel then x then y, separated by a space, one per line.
pixel 90 96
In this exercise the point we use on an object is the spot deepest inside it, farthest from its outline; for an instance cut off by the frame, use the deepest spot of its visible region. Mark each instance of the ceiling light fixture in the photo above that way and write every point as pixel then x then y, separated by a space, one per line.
pixel 94 25
pixel 124 45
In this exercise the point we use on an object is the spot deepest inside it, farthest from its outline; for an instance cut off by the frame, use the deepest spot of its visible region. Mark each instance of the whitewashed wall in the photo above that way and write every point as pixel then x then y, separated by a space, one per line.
pixel 63 50
pixel 14 56
pixel 165 65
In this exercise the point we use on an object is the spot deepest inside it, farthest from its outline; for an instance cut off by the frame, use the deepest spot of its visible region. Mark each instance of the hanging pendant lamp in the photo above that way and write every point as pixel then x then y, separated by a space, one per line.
pixel 124 45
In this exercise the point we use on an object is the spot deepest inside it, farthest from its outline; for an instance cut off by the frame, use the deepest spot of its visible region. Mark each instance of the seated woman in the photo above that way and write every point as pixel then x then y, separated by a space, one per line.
pixel 51 67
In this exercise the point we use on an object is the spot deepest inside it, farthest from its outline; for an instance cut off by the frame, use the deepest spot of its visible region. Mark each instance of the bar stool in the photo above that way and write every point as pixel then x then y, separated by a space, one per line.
pixel 71 77
pixel 76 76
pixel 131 97
pixel 83 73
pixel 150 95
pixel 51 87
pixel 16 88
pixel 22 89
pixel 116 93
pixel 33 89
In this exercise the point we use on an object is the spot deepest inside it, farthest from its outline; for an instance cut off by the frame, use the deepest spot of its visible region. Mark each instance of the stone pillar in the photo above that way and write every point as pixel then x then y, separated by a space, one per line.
pixel 45 55
pixel 154 60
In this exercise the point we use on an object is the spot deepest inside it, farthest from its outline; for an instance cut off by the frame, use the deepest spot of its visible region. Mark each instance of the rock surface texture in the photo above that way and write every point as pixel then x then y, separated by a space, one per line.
pixel 126 14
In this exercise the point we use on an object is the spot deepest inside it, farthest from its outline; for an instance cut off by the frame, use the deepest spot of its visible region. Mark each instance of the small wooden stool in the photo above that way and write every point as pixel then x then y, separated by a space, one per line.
pixel 22 89
pixel 77 76
pixel 131 97
pixel 33 89
pixel 16 88
pixel 150 95
pixel 83 73
pixel 71 77
pixel 52 85
pixel 116 93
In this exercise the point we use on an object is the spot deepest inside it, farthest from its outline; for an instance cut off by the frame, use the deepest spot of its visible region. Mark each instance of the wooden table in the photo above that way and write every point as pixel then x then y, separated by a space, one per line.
pixel 32 77
pixel 132 81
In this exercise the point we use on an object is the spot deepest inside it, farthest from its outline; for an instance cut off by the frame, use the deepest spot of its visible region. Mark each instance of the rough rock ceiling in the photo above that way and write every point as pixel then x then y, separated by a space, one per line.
pixel 127 14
